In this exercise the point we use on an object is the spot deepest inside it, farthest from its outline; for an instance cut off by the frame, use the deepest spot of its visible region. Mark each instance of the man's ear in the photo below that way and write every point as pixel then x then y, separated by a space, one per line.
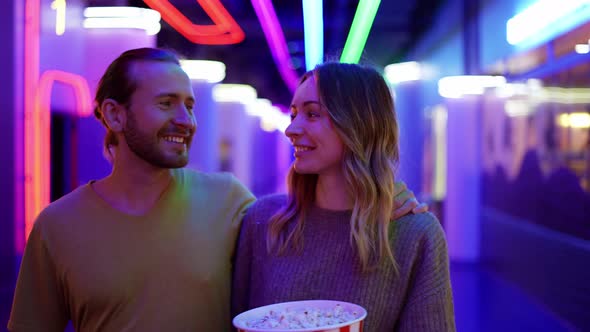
pixel 114 114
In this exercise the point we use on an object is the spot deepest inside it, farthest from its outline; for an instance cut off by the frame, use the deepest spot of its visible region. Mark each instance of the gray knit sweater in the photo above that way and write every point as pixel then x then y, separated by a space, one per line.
pixel 418 299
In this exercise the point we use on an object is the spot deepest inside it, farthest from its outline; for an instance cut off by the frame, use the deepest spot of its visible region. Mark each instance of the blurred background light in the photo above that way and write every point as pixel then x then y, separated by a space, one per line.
pixel 121 18
pixel 458 86
pixel 205 70
pixel 403 72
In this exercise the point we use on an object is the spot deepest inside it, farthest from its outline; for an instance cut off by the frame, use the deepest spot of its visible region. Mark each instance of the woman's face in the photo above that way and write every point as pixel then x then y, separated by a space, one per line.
pixel 318 148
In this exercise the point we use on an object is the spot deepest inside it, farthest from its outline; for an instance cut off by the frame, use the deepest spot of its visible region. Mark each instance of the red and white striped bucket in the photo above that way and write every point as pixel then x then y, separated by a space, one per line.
pixel 355 325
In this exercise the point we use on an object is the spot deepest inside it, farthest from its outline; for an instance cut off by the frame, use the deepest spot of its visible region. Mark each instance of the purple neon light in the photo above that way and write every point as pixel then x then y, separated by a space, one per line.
pixel 276 41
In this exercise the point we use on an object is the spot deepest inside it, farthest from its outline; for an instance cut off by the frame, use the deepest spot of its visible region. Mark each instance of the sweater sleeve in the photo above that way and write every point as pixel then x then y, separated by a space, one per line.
pixel 429 305
pixel 240 292
pixel 38 303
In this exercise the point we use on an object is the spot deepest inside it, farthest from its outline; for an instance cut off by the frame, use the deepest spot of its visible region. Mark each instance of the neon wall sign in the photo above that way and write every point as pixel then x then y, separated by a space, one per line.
pixel 60 16
pixel 37 107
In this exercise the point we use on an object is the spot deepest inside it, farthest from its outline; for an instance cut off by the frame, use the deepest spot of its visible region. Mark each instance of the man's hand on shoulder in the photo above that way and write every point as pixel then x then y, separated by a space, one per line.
pixel 405 202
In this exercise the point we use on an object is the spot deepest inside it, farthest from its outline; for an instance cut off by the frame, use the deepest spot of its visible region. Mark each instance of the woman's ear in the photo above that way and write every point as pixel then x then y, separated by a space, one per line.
pixel 114 114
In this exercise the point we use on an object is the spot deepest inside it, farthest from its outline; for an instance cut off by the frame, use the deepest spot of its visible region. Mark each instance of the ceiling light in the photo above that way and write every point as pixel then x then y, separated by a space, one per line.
pixel 122 18
pixel 205 70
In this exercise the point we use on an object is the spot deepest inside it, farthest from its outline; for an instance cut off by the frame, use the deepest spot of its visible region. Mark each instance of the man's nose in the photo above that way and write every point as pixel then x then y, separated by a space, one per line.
pixel 185 118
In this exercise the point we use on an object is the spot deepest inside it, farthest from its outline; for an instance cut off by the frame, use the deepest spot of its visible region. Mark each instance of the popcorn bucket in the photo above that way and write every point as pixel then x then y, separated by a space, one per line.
pixel 303 316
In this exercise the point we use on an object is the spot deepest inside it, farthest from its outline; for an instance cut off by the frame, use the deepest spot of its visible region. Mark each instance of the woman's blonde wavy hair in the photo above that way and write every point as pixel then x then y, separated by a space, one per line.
pixel 361 108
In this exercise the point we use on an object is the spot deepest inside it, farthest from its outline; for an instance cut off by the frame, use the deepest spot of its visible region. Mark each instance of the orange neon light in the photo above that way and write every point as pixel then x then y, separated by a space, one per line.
pixel 36 182
pixel 225 30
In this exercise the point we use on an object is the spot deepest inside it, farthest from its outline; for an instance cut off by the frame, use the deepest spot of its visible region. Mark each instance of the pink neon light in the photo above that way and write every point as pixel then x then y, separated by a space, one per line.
pixel 276 41
pixel 37 95
pixel 225 30
pixel 36 183
pixel 78 83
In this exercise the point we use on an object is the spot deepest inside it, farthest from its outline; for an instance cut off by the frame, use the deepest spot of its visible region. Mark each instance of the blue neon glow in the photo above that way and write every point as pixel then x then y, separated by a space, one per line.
pixel 313 25
pixel 544 20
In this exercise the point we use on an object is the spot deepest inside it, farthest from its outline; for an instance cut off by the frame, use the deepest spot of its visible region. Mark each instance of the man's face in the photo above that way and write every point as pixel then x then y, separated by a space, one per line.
pixel 160 120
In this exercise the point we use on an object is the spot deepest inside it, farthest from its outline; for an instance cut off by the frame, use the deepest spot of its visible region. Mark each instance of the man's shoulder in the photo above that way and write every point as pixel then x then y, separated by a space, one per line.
pixel 74 199
pixel 194 177
pixel 77 201
pixel 216 186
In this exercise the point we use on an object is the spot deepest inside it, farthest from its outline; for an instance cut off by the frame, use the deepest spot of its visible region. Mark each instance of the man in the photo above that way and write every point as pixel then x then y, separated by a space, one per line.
pixel 149 247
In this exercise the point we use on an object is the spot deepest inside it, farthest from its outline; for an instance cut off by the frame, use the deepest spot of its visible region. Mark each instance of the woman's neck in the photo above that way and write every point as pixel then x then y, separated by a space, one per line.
pixel 332 193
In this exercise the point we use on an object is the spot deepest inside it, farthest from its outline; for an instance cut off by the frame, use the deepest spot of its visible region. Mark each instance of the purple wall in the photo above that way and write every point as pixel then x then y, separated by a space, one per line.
pixel 11 95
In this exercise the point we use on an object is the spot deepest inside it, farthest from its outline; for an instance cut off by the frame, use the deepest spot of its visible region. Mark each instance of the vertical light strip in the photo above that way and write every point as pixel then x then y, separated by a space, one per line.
pixel 313 26
pixel 276 41
pixel 359 31
pixel 36 175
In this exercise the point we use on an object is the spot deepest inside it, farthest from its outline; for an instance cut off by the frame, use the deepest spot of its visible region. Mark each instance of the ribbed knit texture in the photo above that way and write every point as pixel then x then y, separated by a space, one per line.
pixel 418 299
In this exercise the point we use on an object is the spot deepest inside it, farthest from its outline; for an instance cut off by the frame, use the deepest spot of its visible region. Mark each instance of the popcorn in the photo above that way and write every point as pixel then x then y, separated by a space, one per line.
pixel 289 318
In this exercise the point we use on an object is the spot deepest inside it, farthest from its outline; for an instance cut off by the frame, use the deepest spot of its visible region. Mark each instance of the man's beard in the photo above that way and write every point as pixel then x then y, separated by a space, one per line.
pixel 145 146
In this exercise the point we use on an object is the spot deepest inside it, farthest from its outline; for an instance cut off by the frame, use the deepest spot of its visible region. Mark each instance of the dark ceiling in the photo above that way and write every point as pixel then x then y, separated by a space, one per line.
pixel 397 25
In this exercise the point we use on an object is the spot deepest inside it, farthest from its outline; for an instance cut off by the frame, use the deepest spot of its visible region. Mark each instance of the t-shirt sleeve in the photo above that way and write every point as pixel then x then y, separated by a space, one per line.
pixel 38 299
pixel 241 200
pixel 429 305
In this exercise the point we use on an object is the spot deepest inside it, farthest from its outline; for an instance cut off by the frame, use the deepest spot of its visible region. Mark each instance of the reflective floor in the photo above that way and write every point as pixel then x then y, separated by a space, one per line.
pixel 484 302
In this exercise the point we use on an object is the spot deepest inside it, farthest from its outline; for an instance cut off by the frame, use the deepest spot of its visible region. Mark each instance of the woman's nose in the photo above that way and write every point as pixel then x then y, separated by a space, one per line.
pixel 293 129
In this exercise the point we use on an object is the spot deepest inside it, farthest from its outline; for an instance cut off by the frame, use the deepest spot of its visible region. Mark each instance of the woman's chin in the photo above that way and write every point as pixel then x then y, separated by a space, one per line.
pixel 302 169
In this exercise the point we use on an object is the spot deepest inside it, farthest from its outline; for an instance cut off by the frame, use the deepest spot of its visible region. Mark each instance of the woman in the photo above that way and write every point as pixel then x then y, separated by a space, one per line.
pixel 331 237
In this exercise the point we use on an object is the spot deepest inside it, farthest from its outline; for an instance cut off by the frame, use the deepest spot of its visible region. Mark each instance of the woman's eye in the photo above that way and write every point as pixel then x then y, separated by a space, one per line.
pixel 313 114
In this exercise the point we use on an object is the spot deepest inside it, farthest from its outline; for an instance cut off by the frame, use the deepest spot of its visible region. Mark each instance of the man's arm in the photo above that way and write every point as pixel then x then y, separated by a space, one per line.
pixel 38 303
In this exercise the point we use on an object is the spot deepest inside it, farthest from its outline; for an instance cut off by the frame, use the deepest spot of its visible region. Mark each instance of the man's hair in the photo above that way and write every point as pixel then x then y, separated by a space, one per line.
pixel 118 84
pixel 361 108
